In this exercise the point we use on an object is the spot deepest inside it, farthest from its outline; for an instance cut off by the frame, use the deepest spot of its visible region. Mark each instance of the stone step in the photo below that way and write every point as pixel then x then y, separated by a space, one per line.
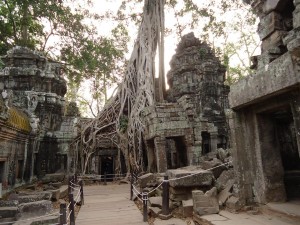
pixel 8 212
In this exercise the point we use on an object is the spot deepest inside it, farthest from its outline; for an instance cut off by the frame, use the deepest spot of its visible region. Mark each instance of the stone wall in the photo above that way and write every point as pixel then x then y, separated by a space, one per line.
pixel 34 135
pixel 265 118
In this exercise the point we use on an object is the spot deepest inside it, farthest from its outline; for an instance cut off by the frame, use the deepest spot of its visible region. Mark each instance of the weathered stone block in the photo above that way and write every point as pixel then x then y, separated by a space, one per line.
pixel 145 179
pixel 57 177
pixel 207 203
pixel 214 165
pixel 225 193
pixel 268 24
pixel 224 178
pixel 46 195
pixel 9 203
pixel 187 208
pixel 33 209
pixel 233 204
pixel 186 178
pixel 55 194
pixel 8 212
pixel 155 202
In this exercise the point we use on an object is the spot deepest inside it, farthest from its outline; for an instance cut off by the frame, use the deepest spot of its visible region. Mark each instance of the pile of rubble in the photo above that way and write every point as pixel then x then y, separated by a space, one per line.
pixel 199 190
pixel 33 201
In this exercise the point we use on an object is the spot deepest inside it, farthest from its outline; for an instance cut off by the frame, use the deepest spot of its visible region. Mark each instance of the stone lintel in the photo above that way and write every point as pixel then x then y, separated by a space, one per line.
pixel 276 78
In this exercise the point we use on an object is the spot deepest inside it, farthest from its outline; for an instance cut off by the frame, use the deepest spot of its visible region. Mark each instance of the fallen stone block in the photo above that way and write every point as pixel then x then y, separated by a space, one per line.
pixel 215 166
pixel 205 203
pixel 181 197
pixel 155 202
pixel 225 193
pixel 154 211
pixel 233 204
pixel 222 154
pixel 9 203
pixel 53 178
pixel 33 197
pixel 145 179
pixel 223 178
pixel 187 208
pixel 8 212
pixel 187 178
pixel 55 195
pixel 33 209
pixel 63 191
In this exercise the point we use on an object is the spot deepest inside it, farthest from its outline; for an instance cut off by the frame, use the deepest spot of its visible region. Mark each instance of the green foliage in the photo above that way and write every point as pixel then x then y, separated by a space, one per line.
pixel 60 30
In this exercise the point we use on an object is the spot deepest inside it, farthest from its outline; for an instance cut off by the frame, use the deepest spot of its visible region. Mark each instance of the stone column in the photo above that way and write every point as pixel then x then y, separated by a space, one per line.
pixel 25 160
pixel 213 141
pixel 161 155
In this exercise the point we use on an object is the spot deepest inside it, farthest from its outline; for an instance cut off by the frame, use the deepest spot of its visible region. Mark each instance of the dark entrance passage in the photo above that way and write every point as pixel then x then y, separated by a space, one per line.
pixel 176 152
pixel 287 141
pixel 205 142
pixel 279 154
pixel 107 167
pixel 2 171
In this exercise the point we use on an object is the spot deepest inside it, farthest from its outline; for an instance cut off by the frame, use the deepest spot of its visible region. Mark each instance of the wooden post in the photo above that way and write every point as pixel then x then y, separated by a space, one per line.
pixel 81 192
pixel 165 200
pixel 145 211
pixel 72 209
pixel 131 188
pixel 63 214
pixel 69 185
pixel 104 179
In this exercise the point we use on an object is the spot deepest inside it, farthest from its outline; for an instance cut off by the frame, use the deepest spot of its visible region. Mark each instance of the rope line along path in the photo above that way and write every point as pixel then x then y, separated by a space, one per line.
pixel 108 205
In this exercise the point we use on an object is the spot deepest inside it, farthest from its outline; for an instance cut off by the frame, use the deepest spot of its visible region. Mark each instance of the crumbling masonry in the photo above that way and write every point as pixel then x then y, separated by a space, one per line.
pixel 34 133
pixel 192 121
pixel 265 123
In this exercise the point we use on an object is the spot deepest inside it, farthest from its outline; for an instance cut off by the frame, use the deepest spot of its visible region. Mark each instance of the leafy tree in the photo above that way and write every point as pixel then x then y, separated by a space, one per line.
pixel 63 31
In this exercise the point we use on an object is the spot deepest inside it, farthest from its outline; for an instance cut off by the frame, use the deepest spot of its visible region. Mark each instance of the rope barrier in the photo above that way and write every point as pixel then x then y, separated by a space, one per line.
pixel 137 196
pixel 136 190
pixel 156 187
pixel 75 185
pixel 69 215
pixel 29 219
pixel 76 189
pixel 69 205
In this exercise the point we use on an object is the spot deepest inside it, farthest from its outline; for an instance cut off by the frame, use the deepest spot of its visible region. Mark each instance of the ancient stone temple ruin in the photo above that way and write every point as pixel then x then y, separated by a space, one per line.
pixel 265 123
pixel 192 121
pixel 34 133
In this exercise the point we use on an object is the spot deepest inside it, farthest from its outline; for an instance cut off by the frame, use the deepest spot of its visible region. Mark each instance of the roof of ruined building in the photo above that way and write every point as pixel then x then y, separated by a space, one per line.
pixel 18 120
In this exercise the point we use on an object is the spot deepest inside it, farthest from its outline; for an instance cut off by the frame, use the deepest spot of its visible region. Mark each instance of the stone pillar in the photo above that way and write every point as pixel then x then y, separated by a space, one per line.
pixel 25 160
pixel 213 141
pixel 296 117
pixel 161 155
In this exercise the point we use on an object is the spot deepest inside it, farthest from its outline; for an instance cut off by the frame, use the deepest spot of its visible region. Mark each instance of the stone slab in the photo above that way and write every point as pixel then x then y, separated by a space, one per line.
pixel 186 178
pixel 33 209
pixel 8 212
pixel 278 76
pixel 145 179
